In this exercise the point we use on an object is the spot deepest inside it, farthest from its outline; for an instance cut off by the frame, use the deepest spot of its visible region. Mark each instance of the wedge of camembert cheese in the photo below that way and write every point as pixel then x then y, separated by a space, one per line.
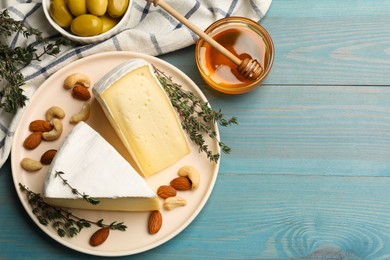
pixel 93 167
pixel 142 115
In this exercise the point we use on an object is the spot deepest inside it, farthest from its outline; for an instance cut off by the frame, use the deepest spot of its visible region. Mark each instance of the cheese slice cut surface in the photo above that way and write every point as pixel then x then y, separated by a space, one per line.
pixel 141 114
pixel 93 167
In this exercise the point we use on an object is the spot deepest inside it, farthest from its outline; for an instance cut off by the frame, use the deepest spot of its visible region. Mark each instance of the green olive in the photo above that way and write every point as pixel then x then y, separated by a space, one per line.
pixel 108 22
pixel 86 25
pixel 97 7
pixel 60 13
pixel 77 7
pixel 116 8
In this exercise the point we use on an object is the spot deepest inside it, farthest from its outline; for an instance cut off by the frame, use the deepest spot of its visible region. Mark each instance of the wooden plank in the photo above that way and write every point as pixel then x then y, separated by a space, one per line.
pixel 269 217
pixel 294 216
pixel 321 43
pixel 250 217
pixel 308 130
pixel 331 8
pixel 308 175
pixel 330 42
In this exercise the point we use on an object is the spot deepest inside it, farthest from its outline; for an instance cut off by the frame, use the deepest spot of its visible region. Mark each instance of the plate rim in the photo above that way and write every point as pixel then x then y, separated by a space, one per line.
pixel 201 204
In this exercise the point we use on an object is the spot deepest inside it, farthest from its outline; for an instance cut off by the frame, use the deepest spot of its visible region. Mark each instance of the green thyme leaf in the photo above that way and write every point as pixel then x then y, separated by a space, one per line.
pixel 63 221
pixel 13 59
pixel 89 199
pixel 197 117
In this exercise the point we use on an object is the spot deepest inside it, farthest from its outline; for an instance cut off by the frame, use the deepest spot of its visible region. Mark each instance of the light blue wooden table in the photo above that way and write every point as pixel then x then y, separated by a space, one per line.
pixel 309 175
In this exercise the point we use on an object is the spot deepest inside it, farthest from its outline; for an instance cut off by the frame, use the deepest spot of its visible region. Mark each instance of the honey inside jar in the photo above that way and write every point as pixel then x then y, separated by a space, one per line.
pixel 243 38
pixel 243 43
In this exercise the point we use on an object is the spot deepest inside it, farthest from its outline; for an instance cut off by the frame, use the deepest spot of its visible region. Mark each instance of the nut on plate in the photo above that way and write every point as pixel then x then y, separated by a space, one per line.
pixel 30 165
pixel 82 115
pixel 166 191
pixel 40 126
pixel 55 133
pixel 81 93
pixel 174 202
pixel 154 222
pixel 77 79
pixel 48 156
pixel 192 174
pixel 33 140
pixel 54 112
pixel 99 236
pixel 181 183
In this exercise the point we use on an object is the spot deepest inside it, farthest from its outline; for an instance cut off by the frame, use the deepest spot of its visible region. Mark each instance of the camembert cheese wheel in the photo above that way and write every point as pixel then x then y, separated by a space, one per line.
pixel 93 167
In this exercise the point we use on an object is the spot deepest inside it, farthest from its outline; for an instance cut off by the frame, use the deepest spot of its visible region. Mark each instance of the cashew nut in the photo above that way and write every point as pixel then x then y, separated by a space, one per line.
pixel 174 202
pixel 82 115
pixel 192 174
pixel 55 133
pixel 30 165
pixel 77 79
pixel 54 112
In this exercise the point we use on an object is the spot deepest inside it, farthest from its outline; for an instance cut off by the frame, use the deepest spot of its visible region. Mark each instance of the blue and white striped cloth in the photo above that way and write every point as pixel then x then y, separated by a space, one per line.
pixel 150 30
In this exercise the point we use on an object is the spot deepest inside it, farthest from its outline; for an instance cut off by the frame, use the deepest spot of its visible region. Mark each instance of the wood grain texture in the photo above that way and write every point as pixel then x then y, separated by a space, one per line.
pixel 291 216
pixel 330 42
pixel 256 217
pixel 308 176
pixel 310 130
pixel 321 43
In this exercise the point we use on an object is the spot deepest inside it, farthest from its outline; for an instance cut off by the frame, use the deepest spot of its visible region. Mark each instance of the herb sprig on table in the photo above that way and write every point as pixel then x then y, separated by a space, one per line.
pixel 63 221
pixel 197 117
pixel 14 58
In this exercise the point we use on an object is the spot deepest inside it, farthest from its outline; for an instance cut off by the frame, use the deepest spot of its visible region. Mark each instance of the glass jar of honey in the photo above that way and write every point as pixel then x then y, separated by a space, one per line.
pixel 245 39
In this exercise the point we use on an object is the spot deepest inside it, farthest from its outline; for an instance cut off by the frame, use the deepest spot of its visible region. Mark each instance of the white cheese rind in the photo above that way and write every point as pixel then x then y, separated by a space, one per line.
pixel 93 167
pixel 141 114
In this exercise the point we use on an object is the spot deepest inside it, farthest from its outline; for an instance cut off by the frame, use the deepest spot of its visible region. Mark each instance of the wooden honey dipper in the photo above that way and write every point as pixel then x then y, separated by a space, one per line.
pixel 248 68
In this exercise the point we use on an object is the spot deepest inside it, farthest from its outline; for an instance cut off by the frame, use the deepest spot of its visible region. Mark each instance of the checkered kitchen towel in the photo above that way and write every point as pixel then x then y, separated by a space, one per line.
pixel 150 30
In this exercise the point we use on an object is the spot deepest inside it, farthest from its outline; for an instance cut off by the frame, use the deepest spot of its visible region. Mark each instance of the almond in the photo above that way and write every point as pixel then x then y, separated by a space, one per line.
pixel 166 191
pixel 155 222
pixel 81 93
pixel 181 183
pixel 33 140
pixel 40 126
pixel 99 236
pixel 48 156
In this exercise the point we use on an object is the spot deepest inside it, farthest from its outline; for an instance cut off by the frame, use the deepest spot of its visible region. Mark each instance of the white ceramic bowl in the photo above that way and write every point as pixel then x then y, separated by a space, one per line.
pixel 89 39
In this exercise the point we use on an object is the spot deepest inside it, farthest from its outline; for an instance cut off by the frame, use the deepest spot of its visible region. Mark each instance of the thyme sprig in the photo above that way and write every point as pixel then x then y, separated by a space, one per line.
pixel 63 221
pixel 89 199
pixel 197 117
pixel 14 58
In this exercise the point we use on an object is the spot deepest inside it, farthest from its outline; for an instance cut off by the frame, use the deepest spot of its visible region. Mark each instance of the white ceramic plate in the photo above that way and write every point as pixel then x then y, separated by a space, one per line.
pixel 136 239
